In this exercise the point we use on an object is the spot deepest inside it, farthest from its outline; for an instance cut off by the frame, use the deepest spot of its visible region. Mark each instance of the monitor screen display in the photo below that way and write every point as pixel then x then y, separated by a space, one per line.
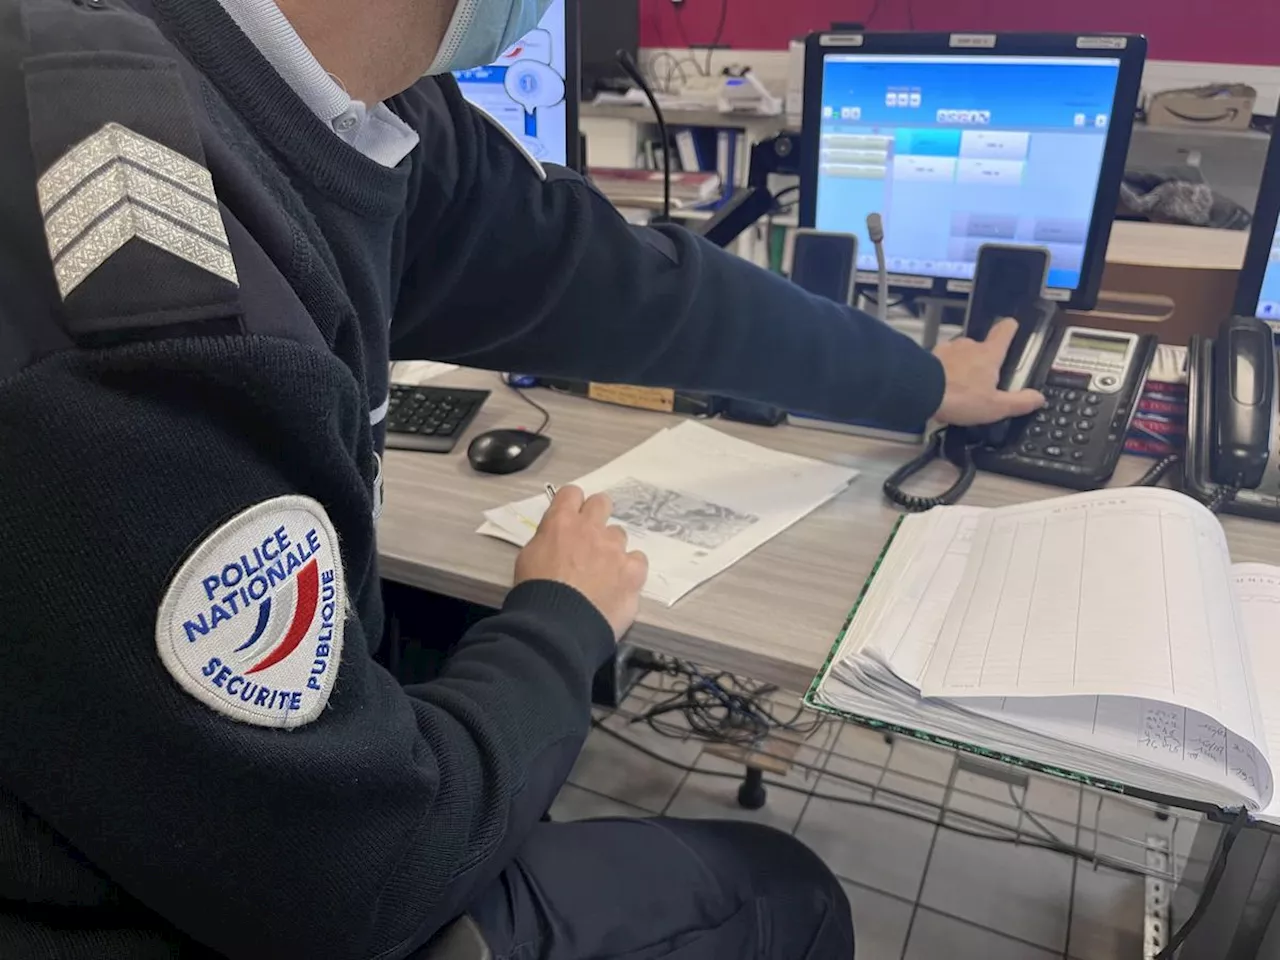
pixel 1269 298
pixel 524 89
pixel 955 151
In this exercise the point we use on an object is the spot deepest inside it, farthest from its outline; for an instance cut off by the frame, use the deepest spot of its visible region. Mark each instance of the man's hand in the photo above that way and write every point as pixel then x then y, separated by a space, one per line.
pixel 574 546
pixel 972 370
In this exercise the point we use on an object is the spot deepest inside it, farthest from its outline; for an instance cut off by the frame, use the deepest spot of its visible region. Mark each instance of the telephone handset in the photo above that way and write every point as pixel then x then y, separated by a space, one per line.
pixel 1232 460
pixel 1092 380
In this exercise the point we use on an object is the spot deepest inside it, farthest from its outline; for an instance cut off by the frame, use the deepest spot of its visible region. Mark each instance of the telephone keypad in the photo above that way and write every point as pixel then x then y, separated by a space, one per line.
pixel 1075 439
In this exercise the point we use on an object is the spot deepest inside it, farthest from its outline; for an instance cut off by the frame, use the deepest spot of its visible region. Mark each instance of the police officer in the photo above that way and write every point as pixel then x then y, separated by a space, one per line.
pixel 221 219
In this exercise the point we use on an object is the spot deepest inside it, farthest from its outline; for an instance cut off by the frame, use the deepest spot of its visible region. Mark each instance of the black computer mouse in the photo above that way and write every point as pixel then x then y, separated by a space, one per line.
pixel 506 451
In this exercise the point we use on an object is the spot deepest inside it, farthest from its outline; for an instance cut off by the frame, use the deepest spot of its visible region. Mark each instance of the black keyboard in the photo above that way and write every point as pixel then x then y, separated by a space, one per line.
pixel 430 419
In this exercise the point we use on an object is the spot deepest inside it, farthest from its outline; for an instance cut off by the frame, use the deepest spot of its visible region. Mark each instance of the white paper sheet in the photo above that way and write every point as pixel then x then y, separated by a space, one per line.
pixel 417 372
pixel 694 500
pixel 1126 593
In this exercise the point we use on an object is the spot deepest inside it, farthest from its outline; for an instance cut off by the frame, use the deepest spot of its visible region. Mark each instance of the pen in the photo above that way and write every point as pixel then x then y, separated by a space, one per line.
pixel 551 492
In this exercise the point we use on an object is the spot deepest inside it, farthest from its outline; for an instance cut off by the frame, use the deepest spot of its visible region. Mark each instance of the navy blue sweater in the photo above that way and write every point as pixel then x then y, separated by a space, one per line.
pixel 146 401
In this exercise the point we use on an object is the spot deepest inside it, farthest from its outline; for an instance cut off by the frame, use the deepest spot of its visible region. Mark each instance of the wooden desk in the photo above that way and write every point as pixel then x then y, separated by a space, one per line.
pixel 773 616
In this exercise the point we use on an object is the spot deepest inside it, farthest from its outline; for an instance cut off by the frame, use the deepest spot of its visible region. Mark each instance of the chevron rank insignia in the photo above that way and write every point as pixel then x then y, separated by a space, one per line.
pixel 117 185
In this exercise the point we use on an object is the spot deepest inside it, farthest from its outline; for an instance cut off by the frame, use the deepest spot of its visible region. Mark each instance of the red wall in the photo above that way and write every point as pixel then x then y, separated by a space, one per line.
pixel 1177 29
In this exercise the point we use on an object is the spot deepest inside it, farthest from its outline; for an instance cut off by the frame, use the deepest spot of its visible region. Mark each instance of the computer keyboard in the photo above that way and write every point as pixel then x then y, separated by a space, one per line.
pixel 430 419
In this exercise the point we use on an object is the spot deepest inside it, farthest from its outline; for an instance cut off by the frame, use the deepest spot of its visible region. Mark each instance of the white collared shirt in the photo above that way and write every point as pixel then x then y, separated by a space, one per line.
pixel 374 131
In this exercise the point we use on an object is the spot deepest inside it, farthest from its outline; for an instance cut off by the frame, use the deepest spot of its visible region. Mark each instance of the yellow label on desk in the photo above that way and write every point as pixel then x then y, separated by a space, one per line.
pixel 646 398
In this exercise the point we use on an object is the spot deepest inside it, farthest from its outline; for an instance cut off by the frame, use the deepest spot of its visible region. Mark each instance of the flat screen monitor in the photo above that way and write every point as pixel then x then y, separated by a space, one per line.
pixel 532 89
pixel 961 140
pixel 1258 292
pixel 607 27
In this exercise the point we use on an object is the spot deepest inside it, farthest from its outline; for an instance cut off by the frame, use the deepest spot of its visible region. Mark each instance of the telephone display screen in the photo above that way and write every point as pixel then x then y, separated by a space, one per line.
pixel 1081 341
pixel 823 264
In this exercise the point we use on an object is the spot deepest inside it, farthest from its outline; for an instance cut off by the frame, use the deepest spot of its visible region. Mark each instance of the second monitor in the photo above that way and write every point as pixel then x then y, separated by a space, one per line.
pixel 963 139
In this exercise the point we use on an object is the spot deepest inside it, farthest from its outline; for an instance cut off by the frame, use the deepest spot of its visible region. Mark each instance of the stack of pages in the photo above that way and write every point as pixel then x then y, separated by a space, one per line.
pixel 1104 634
pixel 694 500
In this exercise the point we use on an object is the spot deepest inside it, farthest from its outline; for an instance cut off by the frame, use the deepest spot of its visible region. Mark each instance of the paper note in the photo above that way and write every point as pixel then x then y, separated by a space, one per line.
pixel 1120 593
pixel 695 500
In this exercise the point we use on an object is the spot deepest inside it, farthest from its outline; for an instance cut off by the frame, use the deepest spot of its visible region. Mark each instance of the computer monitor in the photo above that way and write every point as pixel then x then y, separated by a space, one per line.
pixel 532 89
pixel 957 140
pixel 607 27
pixel 1258 291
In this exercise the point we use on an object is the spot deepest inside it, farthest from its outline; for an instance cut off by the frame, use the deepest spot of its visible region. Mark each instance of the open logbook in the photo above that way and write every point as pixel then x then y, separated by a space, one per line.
pixel 1104 635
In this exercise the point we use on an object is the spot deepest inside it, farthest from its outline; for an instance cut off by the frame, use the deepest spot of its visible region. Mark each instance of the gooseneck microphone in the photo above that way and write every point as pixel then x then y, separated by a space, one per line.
pixel 628 63
pixel 875 231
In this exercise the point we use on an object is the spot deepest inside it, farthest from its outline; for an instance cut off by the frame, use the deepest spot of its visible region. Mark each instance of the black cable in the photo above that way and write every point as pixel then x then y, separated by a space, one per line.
pixel 628 63
pixel 1054 846
pixel 1158 470
pixel 718 707
pixel 519 392
pixel 1221 497
pixel 899 301
pixel 1212 879
pixel 719 34
pixel 777 197
pixel 915 504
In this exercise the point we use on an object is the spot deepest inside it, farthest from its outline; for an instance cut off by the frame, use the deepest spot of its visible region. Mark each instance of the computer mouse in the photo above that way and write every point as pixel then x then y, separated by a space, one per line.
pixel 506 451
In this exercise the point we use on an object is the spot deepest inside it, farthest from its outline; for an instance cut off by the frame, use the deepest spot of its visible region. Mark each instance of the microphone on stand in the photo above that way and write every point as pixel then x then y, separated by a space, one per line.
pixel 628 63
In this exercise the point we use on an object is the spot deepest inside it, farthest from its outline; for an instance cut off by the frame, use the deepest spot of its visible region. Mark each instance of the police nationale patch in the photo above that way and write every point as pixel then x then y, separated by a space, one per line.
pixel 252 623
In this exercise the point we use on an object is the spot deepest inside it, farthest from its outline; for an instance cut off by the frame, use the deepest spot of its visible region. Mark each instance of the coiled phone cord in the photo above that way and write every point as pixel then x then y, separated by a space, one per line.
pixel 915 504
pixel 1158 470
pixel 968 470
pixel 1221 495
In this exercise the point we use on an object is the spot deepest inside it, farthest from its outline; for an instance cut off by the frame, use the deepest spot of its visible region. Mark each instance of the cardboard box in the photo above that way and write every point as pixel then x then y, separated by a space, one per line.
pixel 1169 280
pixel 1225 107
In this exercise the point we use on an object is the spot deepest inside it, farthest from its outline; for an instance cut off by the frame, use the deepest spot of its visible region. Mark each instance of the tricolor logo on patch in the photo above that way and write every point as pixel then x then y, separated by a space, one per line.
pixel 252 623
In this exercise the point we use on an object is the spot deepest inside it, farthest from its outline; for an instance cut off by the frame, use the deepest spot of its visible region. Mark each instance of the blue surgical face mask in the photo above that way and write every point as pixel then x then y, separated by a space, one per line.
pixel 482 29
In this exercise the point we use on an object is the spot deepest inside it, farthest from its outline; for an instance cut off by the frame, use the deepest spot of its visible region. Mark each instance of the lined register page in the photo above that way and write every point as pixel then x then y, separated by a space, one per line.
pixel 906 634
pixel 1124 593
pixel 1258 591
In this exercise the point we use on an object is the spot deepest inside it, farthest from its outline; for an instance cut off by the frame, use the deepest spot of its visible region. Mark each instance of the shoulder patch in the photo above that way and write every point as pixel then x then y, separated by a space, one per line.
pixel 251 624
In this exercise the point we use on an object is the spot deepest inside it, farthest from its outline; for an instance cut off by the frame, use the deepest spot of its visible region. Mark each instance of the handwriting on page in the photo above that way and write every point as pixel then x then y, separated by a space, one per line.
pixel 1162 729
pixel 1208 741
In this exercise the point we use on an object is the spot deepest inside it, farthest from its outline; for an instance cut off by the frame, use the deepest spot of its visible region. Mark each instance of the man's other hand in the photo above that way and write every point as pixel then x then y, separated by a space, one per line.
pixel 972 370
pixel 575 546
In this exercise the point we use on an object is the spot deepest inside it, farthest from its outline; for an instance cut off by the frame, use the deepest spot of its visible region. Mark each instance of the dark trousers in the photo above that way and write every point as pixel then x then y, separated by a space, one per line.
pixel 678 889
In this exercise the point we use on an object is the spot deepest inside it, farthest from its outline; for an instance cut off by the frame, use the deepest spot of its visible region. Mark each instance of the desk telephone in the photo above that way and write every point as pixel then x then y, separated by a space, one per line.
pixel 1232 460
pixel 1092 380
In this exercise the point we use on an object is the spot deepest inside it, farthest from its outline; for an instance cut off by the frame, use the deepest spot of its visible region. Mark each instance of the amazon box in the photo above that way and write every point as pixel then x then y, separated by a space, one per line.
pixel 1173 281
pixel 1222 108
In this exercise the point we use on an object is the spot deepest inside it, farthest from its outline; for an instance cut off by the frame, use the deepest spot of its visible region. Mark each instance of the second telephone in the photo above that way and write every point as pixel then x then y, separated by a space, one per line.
pixel 1232 460
pixel 1092 380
